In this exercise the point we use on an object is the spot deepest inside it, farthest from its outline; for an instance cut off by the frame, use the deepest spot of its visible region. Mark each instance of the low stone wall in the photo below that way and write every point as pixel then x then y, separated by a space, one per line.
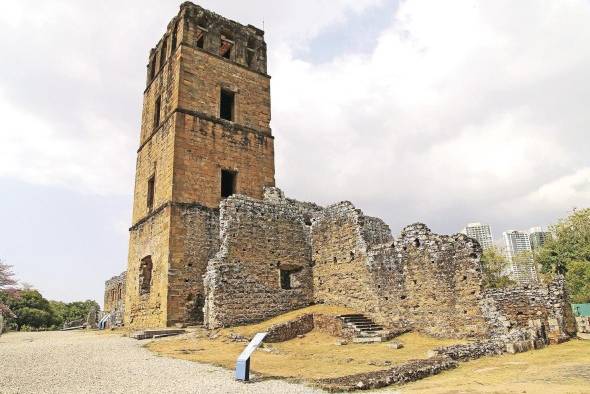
pixel 470 351
pixel 408 372
pixel 301 325
pixel 332 325
pixel 289 330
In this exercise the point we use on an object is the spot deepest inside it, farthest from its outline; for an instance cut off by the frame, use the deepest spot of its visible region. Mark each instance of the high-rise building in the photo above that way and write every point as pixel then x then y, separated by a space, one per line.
pixel 518 253
pixel 481 232
pixel 538 236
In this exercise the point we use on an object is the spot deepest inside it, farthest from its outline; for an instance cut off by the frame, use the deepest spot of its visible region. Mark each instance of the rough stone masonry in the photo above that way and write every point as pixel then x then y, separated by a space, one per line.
pixel 213 242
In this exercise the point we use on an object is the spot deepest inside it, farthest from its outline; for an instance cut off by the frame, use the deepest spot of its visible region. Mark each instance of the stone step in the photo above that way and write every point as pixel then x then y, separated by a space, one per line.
pixel 369 329
pixel 146 334
pixel 367 325
pixel 381 334
pixel 367 339
pixel 359 322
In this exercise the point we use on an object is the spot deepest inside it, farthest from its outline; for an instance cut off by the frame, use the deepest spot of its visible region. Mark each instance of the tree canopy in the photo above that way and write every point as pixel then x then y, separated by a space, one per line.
pixel 32 310
pixel 494 265
pixel 568 252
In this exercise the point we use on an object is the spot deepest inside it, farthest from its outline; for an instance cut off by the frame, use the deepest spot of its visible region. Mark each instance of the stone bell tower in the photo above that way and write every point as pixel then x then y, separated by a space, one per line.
pixel 205 135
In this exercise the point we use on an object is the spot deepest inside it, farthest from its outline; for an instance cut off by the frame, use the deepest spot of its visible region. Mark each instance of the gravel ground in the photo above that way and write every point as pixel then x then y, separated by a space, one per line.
pixel 88 362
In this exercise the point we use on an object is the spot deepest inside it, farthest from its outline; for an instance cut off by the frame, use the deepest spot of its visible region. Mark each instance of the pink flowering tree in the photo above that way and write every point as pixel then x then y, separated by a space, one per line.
pixel 7 287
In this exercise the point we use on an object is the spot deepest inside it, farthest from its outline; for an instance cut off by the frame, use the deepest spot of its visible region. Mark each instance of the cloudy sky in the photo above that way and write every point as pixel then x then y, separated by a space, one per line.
pixel 441 112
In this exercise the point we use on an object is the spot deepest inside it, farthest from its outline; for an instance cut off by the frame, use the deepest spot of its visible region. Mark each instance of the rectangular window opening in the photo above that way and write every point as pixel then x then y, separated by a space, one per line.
pixel 150 192
pixel 285 278
pixel 145 275
pixel 226 46
pixel 250 57
pixel 157 111
pixel 200 39
pixel 228 183
pixel 226 105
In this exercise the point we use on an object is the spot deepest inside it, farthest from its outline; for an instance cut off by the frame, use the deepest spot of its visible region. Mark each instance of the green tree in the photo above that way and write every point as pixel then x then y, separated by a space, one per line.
pixel 571 242
pixel 568 252
pixel 494 265
pixel 31 309
pixel 577 279
pixel 33 317
pixel 67 312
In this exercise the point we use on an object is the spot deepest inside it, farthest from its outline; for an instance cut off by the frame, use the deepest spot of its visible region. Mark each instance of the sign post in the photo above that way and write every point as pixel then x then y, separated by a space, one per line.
pixel 243 363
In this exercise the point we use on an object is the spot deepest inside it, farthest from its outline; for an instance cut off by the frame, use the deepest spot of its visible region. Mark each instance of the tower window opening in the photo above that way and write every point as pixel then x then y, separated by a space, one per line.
pixel 153 68
pixel 145 275
pixel 150 192
pixel 285 279
pixel 228 183
pixel 174 36
pixel 226 47
pixel 200 39
pixel 226 105
pixel 250 52
pixel 163 53
pixel 157 111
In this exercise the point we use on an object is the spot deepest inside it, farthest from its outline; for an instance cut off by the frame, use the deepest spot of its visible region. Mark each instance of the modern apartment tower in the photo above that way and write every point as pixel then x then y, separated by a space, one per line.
pixel 518 252
pixel 538 236
pixel 481 232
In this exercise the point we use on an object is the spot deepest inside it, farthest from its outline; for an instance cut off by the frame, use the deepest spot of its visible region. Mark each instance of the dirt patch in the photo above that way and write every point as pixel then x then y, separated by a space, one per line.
pixel 316 355
pixel 560 368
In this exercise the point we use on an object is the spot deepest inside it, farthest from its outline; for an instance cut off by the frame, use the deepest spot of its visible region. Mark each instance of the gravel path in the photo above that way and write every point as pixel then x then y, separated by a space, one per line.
pixel 87 362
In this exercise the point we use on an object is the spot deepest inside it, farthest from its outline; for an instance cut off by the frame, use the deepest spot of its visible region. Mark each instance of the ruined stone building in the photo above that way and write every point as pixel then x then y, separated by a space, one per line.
pixel 213 242
pixel 114 298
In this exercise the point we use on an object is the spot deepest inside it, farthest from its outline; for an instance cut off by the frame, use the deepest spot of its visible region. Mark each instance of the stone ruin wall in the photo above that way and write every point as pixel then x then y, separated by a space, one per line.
pixel 148 238
pixel 114 298
pixel 194 239
pixel 422 281
pixel 339 252
pixel 519 308
pixel 425 281
pixel 258 240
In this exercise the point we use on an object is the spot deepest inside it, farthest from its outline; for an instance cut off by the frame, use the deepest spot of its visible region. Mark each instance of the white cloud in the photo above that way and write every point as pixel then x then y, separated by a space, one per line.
pixel 460 103
pixel 462 107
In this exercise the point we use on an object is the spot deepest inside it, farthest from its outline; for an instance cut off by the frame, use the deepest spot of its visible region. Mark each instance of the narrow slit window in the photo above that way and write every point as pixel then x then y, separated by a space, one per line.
pixel 153 68
pixel 174 37
pixel 145 275
pixel 163 53
pixel 150 192
pixel 226 105
pixel 285 279
pixel 157 111
pixel 228 183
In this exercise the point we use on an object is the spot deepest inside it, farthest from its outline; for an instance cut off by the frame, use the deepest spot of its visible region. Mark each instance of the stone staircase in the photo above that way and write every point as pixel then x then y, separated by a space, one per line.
pixel 365 330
